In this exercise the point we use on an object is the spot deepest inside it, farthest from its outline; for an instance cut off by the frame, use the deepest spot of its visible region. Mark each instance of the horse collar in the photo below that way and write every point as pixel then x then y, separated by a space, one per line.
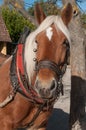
pixel 18 78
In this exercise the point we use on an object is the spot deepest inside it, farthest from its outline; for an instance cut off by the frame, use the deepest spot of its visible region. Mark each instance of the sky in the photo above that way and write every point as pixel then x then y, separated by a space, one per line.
pixel 30 2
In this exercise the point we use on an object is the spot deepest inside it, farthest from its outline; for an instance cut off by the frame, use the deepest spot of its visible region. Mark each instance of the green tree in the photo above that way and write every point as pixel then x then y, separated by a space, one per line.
pixel 15 23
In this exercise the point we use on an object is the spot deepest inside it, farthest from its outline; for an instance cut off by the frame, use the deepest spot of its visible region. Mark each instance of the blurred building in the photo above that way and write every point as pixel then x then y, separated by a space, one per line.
pixel 5 40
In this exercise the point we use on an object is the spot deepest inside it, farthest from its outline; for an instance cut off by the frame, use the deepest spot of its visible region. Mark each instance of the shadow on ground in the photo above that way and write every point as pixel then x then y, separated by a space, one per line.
pixel 58 120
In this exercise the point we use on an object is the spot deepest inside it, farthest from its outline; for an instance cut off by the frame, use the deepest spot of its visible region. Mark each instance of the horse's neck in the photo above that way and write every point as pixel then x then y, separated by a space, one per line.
pixel 6 61
pixel 6 64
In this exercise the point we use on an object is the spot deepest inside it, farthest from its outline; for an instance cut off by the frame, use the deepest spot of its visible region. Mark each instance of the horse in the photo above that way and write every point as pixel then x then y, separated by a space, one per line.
pixel 30 80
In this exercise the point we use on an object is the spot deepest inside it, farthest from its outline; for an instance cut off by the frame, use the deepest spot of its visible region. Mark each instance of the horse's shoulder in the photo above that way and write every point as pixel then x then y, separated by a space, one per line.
pixel 5 68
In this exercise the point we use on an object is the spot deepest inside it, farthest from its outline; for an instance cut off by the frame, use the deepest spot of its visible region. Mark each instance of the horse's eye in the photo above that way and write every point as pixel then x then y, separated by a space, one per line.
pixel 36 41
pixel 66 43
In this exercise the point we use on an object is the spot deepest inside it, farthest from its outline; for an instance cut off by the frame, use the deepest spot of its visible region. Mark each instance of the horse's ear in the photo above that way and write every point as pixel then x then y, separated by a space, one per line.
pixel 66 14
pixel 39 14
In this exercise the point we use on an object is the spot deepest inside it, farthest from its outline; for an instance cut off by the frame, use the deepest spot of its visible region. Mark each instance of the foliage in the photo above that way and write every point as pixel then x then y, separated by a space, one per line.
pixel 15 23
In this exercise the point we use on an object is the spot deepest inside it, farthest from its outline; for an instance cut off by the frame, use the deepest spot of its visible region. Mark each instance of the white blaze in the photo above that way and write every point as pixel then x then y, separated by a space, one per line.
pixel 49 33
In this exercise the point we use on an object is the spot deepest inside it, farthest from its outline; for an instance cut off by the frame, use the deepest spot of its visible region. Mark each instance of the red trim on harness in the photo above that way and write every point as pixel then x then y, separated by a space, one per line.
pixel 20 69
pixel 19 65
pixel 19 58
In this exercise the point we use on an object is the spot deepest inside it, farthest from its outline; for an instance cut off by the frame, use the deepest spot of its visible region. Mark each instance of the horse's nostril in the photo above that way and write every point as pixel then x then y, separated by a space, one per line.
pixel 52 85
pixel 44 92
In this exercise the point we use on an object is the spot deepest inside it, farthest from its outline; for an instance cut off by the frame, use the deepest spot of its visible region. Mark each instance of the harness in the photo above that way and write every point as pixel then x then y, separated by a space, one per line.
pixel 19 81
pixel 18 74
pixel 18 78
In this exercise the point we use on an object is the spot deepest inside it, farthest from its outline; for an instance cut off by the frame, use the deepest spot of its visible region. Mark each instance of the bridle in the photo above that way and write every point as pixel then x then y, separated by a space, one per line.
pixel 58 69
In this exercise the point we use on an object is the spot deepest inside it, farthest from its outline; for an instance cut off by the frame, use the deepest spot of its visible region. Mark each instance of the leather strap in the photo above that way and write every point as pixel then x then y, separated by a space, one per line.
pixel 51 65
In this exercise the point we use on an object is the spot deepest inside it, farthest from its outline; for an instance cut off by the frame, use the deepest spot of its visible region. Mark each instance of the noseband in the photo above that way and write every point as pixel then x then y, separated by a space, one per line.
pixel 52 66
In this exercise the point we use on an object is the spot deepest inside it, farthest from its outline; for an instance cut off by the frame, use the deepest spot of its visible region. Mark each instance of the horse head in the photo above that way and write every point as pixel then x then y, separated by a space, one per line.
pixel 46 51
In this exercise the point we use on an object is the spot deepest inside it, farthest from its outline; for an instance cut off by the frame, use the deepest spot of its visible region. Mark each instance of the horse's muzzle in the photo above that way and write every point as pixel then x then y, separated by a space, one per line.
pixel 47 89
